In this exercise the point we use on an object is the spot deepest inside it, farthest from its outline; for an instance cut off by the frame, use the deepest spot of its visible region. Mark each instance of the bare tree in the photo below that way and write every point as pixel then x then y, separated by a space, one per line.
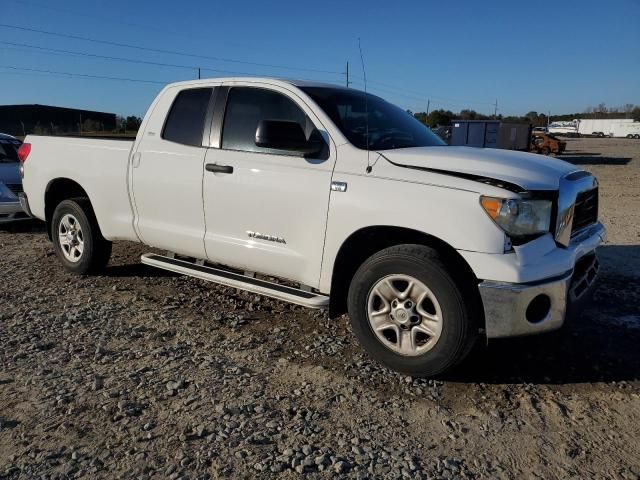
pixel 627 109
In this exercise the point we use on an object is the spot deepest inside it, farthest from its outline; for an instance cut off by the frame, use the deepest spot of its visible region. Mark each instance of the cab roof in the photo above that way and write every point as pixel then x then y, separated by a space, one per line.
pixel 272 80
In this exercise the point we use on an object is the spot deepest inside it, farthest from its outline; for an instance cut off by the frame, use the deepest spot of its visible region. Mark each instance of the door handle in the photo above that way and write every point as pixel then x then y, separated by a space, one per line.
pixel 214 167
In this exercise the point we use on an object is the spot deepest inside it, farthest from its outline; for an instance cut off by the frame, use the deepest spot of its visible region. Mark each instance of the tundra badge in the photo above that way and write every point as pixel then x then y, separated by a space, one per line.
pixel 263 236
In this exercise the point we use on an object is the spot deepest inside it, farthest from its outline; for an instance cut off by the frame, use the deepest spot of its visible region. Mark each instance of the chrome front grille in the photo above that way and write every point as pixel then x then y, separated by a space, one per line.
pixel 577 205
pixel 585 211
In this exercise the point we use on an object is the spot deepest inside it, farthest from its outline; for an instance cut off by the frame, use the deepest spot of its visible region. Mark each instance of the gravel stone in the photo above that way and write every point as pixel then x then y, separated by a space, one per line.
pixel 170 377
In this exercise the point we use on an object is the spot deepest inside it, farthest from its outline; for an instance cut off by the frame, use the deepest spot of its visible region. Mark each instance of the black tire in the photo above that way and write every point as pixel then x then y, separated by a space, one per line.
pixel 545 151
pixel 456 296
pixel 96 250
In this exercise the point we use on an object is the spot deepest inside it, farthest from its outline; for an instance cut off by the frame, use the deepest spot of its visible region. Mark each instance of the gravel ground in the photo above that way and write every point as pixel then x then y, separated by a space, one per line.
pixel 143 374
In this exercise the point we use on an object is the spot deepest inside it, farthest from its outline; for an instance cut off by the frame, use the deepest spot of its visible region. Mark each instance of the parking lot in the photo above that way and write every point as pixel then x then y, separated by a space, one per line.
pixel 142 374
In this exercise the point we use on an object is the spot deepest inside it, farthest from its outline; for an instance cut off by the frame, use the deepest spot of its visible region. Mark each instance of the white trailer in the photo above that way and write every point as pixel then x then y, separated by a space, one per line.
pixel 600 127
pixel 625 129
pixel 564 128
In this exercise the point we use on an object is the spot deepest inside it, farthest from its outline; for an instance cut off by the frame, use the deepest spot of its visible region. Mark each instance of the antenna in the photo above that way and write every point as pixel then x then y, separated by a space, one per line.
pixel 347 74
pixel 366 104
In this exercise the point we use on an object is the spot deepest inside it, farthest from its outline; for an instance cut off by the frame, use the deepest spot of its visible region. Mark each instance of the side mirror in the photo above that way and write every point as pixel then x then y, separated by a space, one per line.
pixel 281 135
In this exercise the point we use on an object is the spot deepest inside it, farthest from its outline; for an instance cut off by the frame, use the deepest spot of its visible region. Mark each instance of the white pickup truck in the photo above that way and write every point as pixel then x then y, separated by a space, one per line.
pixel 330 198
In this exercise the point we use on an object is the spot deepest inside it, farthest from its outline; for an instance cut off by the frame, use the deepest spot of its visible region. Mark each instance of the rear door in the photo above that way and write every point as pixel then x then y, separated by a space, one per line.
pixel 167 172
pixel 266 210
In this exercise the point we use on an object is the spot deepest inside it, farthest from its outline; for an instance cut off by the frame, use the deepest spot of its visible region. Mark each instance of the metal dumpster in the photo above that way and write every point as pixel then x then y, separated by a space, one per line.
pixel 490 134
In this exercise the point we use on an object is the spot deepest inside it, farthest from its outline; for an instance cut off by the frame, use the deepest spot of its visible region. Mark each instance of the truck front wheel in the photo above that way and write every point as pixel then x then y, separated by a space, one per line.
pixel 76 236
pixel 410 313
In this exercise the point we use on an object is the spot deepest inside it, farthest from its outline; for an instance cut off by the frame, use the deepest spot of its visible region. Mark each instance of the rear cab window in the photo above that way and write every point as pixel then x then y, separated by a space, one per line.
pixel 186 119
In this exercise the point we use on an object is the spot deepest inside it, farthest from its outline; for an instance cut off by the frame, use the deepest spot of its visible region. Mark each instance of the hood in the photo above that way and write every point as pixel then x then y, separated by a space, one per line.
pixel 527 170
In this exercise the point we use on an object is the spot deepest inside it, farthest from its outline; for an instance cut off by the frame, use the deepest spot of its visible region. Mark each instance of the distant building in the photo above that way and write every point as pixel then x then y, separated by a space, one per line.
pixel 45 119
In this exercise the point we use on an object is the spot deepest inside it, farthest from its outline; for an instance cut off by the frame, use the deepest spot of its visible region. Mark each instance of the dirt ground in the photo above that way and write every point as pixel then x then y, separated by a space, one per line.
pixel 143 374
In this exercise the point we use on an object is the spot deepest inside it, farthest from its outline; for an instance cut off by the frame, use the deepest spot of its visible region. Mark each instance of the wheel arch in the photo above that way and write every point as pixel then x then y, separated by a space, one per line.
pixel 58 190
pixel 363 243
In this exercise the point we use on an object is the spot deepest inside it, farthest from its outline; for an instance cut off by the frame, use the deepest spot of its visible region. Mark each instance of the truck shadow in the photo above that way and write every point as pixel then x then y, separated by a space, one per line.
pixel 600 345
pixel 24 226
pixel 579 153
pixel 137 270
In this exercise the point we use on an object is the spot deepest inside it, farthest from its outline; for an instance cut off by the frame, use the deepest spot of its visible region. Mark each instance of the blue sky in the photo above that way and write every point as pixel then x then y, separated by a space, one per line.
pixel 545 56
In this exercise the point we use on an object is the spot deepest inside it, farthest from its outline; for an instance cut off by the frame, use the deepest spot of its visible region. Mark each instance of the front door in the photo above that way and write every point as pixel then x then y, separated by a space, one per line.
pixel 266 210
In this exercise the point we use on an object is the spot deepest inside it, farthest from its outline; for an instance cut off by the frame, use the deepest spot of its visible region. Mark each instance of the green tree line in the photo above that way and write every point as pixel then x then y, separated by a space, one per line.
pixel 444 117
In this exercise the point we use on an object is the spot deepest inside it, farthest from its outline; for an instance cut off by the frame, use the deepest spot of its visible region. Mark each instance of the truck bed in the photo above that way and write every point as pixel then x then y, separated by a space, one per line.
pixel 94 137
pixel 98 165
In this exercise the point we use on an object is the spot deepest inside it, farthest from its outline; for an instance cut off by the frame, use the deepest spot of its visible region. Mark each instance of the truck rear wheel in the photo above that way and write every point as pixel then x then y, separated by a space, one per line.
pixel 76 236
pixel 410 313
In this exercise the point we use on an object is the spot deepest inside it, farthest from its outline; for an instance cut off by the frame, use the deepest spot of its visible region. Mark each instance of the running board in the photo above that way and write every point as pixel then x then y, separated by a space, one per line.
pixel 237 280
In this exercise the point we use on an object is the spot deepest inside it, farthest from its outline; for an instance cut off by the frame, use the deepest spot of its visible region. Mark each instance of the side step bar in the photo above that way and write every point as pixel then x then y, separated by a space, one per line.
pixel 237 280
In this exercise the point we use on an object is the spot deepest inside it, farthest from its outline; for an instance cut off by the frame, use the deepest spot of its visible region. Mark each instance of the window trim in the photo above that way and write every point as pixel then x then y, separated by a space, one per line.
pixel 208 116
pixel 221 113
pixel 219 110
pixel 212 89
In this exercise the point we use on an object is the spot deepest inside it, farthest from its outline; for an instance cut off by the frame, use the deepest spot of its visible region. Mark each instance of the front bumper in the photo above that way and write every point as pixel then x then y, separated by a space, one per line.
pixel 514 309
pixel 24 203
pixel 10 211
pixel 8 208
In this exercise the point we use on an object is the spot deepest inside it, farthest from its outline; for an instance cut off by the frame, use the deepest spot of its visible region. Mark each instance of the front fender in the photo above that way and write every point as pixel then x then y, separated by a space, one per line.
pixel 453 216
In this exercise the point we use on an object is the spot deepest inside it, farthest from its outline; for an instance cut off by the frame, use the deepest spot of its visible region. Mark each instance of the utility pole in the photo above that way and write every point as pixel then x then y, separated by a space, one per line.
pixel 548 118
pixel 428 105
pixel 495 110
pixel 80 124
pixel 347 73
pixel 198 73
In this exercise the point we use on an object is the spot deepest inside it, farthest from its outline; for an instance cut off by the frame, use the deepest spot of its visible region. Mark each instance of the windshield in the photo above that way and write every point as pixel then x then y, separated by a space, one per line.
pixel 8 152
pixel 389 126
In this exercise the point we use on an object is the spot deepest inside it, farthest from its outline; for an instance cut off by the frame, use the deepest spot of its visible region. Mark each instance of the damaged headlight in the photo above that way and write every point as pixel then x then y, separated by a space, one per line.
pixel 519 217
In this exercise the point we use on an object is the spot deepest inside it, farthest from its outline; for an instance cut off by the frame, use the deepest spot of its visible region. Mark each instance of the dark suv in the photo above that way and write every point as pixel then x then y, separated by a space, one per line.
pixel 10 181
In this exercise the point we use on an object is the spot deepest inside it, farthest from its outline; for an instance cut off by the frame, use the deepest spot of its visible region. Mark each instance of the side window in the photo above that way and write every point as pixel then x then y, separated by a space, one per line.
pixel 247 106
pixel 185 121
pixel 8 153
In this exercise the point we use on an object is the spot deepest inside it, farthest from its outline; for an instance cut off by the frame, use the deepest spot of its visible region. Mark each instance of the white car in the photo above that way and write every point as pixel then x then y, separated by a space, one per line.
pixel 349 201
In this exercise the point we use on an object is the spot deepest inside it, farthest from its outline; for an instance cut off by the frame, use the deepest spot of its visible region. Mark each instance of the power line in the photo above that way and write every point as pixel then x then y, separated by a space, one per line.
pixel 433 100
pixel 422 95
pixel 194 68
pixel 120 59
pixel 83 75
pixel 138 26
pixel 436 97
pixel 390 88
pixel 159 50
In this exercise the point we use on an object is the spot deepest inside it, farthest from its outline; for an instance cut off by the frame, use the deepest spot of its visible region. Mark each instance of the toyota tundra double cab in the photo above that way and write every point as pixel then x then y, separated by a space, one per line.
pixel 331 198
